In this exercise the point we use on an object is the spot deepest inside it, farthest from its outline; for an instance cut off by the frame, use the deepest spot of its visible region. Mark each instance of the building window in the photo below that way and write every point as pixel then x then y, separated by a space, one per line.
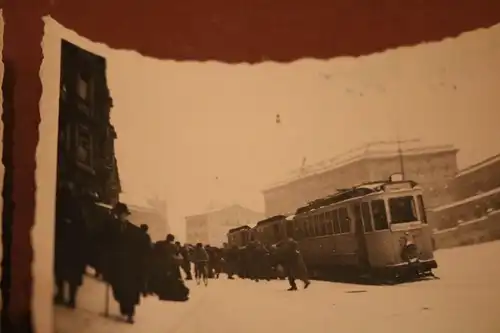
pixel 82 88
pixel 84 149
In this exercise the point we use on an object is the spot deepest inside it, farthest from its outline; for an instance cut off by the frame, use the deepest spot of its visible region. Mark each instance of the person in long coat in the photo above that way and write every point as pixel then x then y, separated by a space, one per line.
pixel 231 261
pixel 294 265
pixel 167 279
pixel 70 244
pixel 125 261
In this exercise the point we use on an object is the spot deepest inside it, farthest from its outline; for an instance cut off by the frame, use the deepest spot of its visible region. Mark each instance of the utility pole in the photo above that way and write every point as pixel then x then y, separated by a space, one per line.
pixel 401 156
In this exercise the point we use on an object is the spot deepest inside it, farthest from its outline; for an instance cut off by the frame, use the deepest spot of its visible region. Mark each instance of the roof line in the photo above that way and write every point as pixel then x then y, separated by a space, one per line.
pixel 365 157
pixel 222 209
pixel 479 165
pixel 466 200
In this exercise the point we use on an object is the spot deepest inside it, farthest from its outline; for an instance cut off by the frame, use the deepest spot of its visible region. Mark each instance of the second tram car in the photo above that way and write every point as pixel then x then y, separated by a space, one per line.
pixel 239 237
pixel 271 230
pixel 378 229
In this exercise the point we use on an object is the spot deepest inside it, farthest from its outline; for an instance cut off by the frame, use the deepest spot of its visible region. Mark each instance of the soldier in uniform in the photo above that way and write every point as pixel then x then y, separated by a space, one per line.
pixel 294 264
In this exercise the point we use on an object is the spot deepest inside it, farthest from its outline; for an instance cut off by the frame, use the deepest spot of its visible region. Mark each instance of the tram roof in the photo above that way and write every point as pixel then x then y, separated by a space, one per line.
pixel 271 219
pixel 243 227
pixel 349 193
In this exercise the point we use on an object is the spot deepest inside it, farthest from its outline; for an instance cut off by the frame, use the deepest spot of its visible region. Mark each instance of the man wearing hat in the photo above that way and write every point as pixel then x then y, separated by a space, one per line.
pixel 126 262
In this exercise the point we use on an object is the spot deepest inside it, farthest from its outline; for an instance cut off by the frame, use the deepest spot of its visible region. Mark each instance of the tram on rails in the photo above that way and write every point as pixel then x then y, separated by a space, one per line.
pixel 240 237
pixel 375 229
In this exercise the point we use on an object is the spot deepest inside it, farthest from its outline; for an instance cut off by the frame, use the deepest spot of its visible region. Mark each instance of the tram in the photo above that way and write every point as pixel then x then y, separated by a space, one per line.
pixel 240 236
pixel 375 229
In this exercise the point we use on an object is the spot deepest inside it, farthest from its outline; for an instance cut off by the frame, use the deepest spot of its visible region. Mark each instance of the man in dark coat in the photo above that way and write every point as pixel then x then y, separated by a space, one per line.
pixel 230 260
pixel 70 259
pixel 125 261
pixel 167 282
pixel 294 264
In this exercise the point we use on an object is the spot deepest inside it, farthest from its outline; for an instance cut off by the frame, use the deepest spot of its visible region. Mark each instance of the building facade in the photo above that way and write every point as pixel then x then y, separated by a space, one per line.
pixel 212 227
pixel 473 213
pixel 431 166
pixel 86 154
pixel 155 219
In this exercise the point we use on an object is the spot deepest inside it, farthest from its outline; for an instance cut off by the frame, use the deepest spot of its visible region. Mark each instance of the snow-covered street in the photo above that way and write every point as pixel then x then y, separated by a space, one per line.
pixel 465 299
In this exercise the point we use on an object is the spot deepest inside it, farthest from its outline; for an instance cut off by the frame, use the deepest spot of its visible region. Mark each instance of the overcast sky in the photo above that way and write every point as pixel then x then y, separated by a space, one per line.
pixel 201 132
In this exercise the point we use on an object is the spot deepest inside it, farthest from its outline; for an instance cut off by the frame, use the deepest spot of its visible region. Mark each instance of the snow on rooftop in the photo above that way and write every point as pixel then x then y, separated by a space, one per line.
pixel 477 166
pixel 373 150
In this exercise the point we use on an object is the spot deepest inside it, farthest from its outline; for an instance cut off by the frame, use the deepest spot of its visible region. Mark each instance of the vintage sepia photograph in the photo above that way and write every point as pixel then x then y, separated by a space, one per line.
pixel 343 194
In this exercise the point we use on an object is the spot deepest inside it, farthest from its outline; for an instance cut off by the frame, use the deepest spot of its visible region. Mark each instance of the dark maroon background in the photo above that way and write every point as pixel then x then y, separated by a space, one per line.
pixel 225 30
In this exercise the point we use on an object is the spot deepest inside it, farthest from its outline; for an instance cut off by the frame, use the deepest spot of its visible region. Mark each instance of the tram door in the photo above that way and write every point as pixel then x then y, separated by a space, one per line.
pixel 360 237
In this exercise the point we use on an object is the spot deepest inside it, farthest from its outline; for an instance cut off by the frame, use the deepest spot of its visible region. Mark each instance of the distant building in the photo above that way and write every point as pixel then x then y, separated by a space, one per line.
pixel 431 166
pixel 153 217
pixel 472 214
pixel 211 227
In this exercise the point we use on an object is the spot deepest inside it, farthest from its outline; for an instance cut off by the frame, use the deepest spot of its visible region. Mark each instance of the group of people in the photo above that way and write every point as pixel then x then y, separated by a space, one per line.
pixel 121 253
pixel 256 262
pixel 124 256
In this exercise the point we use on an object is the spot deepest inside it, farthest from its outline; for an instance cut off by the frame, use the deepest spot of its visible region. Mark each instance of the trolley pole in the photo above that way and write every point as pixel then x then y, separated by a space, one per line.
pixel 401 160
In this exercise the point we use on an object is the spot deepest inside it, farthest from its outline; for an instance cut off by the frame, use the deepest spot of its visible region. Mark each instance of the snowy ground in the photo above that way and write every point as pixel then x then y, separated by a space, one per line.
pixel 465 299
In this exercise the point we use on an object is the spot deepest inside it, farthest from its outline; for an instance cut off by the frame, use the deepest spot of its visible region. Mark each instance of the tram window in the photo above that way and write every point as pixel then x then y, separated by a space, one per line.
pixel 313 226
pixel 321 224
pixel 344 221
pixel 307 228
pixel 379 215
pixel 335 221
pixel 299 228
pixel 367 217
pixel 421 208
pixel 327 222
pixel 403 210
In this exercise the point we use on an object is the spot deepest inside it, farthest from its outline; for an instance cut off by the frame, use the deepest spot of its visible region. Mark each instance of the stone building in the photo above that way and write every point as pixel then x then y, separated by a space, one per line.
pixel 473 213
pixel 431 166
pixel 86 154
pixel 212 227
